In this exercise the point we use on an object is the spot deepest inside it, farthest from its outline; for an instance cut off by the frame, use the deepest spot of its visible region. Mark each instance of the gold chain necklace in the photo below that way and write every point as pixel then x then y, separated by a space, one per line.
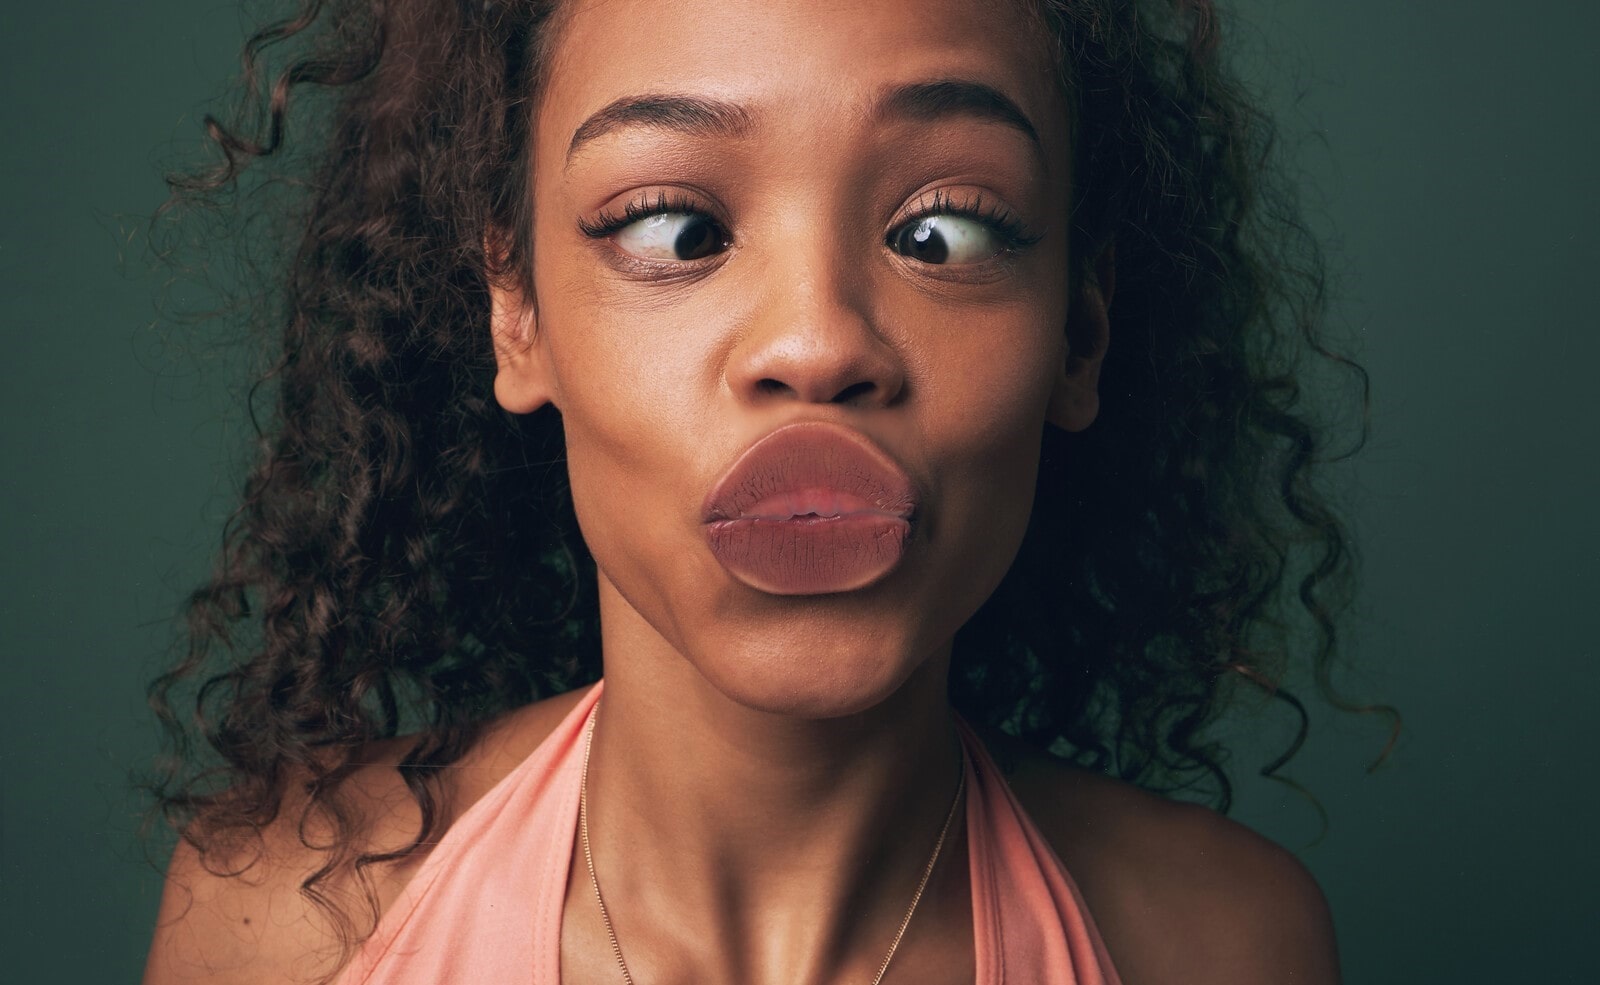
pixel 605 915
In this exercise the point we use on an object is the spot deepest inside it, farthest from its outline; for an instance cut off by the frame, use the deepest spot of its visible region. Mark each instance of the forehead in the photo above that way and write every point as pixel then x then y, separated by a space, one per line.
pixel 811 61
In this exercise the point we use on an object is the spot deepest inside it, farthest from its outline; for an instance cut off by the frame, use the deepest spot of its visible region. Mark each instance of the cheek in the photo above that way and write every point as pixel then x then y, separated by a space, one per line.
pixel 635 408
pixel 989 396
pixel 628 384
pixel 987 421
pixel 626 411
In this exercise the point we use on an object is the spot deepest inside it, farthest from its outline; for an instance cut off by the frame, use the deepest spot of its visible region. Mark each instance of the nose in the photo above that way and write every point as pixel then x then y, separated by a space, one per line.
pixel 812 338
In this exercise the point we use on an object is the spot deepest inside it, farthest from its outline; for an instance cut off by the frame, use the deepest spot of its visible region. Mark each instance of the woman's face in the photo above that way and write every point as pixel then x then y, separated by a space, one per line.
pixel 846 216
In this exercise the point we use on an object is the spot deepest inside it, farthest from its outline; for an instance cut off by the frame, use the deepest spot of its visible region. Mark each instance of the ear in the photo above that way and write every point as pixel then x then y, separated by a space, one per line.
pixel 1075 399
pixel 523 381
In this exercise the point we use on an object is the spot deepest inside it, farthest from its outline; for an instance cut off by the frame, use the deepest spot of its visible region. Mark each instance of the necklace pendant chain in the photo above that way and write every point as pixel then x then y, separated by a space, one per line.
pixel 605 914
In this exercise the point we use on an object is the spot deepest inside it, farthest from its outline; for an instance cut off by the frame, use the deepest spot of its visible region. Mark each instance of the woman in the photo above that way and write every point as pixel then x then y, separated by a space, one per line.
pixel 816 303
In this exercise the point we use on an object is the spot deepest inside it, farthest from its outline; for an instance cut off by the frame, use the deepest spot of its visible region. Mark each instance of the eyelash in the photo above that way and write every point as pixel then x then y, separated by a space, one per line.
pixel 609 223
pixel 1011 230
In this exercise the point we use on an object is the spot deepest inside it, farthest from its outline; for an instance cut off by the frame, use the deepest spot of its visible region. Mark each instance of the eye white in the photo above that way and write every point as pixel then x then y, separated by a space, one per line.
pixel 663 236
pixel 947 239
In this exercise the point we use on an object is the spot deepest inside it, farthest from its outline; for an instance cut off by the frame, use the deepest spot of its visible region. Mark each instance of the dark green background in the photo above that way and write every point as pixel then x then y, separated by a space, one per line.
pixel 1449 152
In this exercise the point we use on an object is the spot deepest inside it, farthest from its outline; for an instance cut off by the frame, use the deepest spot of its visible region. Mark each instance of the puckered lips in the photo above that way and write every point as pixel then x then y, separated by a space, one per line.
pixel 810 509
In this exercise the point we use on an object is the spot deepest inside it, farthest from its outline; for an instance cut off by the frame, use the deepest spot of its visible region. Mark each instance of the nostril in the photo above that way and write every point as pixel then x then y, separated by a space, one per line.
pixel 772 387
pixel 854 391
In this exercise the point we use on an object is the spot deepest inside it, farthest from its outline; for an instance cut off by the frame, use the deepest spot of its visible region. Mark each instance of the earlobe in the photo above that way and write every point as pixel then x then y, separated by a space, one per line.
pixel 1075 399
pixel 522 379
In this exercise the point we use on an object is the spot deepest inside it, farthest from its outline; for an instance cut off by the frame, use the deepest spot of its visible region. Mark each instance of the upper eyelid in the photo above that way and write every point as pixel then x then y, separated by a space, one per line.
pixel 608 221
pixel 996 214
pixel 934 202
pixel 941 202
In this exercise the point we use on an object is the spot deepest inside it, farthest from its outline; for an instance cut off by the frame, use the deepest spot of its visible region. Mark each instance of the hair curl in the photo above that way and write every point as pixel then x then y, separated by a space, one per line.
pixel 406 561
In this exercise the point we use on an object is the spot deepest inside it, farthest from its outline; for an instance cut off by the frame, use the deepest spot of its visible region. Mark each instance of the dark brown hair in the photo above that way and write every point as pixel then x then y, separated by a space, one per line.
pixel 406 561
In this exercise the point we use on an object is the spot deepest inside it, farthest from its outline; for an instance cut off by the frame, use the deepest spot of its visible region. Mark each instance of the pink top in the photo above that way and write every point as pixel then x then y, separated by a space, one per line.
pixel 485 906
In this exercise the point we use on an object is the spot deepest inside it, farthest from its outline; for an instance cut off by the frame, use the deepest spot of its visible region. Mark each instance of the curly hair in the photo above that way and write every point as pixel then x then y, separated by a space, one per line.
pixel 406 562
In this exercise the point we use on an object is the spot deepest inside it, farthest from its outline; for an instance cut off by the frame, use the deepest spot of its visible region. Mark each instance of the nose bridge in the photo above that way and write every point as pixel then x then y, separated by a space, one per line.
pixel 813 335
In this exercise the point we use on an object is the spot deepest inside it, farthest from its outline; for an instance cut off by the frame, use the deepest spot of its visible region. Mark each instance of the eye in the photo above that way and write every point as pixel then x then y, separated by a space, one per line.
pixel 672 236
pixel 947 239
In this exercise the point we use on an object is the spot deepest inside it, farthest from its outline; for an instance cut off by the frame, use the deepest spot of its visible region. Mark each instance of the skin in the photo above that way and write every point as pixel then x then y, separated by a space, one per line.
pixel 779 766
pixel 819 725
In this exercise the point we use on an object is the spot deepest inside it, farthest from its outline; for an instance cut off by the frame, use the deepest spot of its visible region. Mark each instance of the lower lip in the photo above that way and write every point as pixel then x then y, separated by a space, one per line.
pixel 810 555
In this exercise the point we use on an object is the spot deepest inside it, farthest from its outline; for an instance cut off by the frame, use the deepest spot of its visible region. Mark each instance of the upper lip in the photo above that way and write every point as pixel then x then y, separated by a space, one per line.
pixel 803 464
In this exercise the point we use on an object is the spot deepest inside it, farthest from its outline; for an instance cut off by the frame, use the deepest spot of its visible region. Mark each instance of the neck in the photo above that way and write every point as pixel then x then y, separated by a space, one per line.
pixel 800 842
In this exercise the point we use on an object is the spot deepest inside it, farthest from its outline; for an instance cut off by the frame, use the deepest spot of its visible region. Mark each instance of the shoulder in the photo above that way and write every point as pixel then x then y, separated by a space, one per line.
pixel 239 914
pixel 1179 892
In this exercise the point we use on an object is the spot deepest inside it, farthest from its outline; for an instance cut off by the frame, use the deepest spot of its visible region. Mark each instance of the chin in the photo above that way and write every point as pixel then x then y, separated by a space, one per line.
pixel 829 672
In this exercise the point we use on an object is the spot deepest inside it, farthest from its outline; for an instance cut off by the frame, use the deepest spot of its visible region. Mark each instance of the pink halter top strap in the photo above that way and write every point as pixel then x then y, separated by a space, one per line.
pixel 485 906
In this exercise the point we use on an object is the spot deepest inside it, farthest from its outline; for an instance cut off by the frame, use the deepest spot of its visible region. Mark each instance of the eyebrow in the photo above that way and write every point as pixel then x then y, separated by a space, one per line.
pixel 931 101
pixel 680 114
pixel 922 101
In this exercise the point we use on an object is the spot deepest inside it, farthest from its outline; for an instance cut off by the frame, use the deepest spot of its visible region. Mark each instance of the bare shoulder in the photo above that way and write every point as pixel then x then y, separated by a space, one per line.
pixel 236 914
pixel 240 915
pixel 1179 892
